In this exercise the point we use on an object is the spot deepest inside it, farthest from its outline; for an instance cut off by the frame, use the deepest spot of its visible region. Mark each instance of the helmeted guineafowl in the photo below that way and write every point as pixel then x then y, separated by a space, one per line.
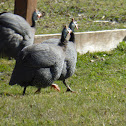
pixel 40 64
pixel 15 33
pixel 70 54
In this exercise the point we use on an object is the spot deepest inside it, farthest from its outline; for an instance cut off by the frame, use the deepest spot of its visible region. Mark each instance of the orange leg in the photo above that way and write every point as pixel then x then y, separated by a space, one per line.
pixel 55 86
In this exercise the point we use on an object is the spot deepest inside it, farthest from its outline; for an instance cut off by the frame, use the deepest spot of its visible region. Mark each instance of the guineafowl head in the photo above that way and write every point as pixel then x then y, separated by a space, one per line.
pixel 73 24
pixel 65 31
pixel 63 42
pixel 36 14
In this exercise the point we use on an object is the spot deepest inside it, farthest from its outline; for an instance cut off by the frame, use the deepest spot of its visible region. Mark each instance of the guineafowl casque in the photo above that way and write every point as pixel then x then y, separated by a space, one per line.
pixel 70 55
pixel 40 64
pixel 15 33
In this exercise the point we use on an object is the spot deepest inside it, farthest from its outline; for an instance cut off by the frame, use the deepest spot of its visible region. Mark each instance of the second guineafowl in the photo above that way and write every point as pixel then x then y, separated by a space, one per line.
pixel 40 64
pixel 70 55
pixel 15 33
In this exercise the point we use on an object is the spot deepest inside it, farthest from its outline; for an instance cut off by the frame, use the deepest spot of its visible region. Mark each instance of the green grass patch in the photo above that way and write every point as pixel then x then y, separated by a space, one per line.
pixel 99 82
pixel 85 12
pixel 99 79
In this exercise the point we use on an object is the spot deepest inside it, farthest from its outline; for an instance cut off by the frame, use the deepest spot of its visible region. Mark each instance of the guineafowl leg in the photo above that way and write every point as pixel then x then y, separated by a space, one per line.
pixel 38 91
pixel 68 87
pixel 24 90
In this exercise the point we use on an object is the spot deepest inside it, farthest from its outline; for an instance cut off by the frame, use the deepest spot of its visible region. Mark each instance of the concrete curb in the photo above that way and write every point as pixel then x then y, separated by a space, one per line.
pixel 93 41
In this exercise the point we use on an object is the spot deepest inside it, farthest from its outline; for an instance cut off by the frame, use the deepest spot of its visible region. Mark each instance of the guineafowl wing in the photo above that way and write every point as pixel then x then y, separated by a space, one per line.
pixel 40 55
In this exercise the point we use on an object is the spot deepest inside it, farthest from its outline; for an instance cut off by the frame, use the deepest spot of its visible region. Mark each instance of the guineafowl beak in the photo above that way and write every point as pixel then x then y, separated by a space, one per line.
pixel 39 15
pixel 76 25
pixel 69 30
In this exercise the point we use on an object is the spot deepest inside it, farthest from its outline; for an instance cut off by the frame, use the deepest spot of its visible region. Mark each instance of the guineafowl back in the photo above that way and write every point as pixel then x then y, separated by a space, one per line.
pixel 16 23
pixel 15 33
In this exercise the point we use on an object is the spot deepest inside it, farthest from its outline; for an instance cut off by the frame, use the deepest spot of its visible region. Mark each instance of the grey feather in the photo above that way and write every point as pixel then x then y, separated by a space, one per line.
pixel 38 65
pixel 15 34
pixel 70 55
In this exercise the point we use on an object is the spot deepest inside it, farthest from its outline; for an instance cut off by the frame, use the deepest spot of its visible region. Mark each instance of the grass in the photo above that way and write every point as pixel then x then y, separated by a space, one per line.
pixel 99 79
pixel 85 12
pixel 99 82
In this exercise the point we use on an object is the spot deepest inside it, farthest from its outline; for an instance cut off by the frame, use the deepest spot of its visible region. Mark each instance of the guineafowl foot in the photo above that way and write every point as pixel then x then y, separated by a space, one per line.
pixel 55 86
pixel 38 91
pixel 68 87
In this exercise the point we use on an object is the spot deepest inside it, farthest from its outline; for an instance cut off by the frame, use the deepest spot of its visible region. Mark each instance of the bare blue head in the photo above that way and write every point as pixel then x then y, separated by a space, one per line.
pixel 73 24
pixel 36 14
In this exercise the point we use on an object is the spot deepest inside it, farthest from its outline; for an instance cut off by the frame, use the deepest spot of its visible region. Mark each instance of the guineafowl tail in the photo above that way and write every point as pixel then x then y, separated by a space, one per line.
pixel 13 79
pixel 11 83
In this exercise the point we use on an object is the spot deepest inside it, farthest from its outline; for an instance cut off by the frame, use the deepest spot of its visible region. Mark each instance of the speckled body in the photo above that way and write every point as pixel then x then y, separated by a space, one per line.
pixel 70 57
pixel 38 65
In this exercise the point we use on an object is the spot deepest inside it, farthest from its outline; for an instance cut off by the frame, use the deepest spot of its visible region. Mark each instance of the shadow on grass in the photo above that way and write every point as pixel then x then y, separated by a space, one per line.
pixel 10 94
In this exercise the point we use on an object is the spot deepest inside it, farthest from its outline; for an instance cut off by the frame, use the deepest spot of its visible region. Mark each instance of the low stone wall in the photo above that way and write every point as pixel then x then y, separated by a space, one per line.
pixel 93 41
